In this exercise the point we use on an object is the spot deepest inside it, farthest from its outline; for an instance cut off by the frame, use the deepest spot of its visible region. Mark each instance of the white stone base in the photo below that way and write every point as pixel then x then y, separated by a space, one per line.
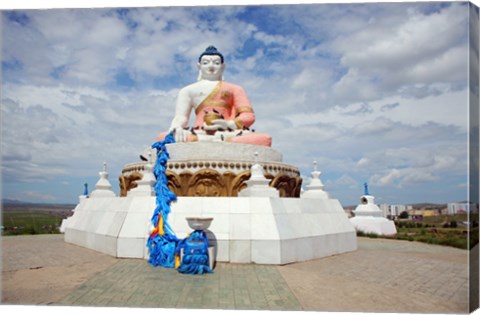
pixel 262 230
pixel 371 224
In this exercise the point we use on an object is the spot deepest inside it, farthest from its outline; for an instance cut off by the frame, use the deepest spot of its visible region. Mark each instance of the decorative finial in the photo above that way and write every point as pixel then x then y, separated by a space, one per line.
pixel 314 166
pixel 256 157
pixel 85 191
pixel 211 51
pixel 104 166
pixel 366 189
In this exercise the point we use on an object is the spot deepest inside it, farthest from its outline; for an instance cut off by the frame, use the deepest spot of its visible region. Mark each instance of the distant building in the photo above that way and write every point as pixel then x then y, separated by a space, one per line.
pixel 393 211
pixel 385 209
pixel 397 209
pixel 424 212
pixel 431 212
pixel 458 207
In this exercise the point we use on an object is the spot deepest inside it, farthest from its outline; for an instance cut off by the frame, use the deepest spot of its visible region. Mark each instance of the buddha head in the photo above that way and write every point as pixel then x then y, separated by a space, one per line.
pixel 211 64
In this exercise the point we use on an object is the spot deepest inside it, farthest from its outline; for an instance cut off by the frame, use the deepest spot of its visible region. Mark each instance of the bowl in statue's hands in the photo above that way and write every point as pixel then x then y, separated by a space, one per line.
pixel 210 117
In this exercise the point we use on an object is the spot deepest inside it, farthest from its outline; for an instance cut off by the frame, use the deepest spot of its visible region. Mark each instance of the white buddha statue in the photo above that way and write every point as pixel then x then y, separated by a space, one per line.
pixel 223 111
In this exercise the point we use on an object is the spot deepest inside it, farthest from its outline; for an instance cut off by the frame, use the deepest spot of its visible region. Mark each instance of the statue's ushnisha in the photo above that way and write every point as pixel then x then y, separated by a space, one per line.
pixel 223 111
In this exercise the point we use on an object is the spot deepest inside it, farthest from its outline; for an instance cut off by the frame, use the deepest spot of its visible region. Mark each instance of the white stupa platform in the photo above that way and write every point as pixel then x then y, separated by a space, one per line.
pixel 369 218
pixel 258 226
pixel 262 230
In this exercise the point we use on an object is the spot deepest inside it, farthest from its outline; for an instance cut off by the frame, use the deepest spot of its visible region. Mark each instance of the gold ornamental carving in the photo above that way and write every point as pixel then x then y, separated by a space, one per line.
pixel 211 183
pixel 128 182
pixel 207 183
pixel 286 185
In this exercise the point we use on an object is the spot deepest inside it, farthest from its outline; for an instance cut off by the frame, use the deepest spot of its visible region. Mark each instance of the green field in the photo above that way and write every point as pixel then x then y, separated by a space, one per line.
pixel 447 230
pixel 439 220
pixel 30 222
pixel 33 219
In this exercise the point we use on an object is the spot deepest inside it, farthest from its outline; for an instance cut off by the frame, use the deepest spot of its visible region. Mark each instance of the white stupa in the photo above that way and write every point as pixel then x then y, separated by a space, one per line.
pixel 315 189
pixel 145 186
pixel 369 218
pixel 258 184
pixel 103 188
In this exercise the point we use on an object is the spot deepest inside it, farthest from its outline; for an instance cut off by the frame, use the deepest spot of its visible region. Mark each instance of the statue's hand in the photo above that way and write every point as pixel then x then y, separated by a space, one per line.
pixel 181 135
pixel 221 124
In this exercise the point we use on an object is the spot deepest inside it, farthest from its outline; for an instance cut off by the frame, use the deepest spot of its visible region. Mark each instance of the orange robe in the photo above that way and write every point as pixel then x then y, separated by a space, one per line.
pixel 231 101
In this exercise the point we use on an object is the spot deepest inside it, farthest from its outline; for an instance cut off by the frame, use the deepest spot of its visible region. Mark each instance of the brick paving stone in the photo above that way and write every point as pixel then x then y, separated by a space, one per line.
pixel 381 276
pixel 229 287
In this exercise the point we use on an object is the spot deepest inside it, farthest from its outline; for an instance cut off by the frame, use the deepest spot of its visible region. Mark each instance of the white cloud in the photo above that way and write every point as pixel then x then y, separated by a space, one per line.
pixel 344 181
pixel 368 92
pixel 405 167
pixel 375 127
pixel 418 37
pixel 449 108
pixel 74 130
pixel 77 40
pixel 382 56
pixel 272 39
pixel 107 32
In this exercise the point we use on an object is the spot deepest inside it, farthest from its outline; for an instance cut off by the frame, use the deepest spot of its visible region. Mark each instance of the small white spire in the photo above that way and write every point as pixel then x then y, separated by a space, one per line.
pixel 103 188
pixel 315 188
pixel 146 185
pixel 258 184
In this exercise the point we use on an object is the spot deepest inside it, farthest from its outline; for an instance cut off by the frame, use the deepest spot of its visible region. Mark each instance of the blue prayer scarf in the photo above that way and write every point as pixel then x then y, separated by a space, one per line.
pixel 164 246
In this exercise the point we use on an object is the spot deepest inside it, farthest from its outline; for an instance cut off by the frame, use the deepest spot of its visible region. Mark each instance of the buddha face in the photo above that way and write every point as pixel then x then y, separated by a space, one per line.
pixel 211 67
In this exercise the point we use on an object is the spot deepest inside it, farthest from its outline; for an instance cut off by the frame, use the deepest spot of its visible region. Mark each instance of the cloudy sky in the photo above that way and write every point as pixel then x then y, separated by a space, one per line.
pixel 375 92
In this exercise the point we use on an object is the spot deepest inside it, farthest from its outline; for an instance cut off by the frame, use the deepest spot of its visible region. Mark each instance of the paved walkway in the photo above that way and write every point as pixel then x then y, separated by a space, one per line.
pixel 381 276
pixel 137 284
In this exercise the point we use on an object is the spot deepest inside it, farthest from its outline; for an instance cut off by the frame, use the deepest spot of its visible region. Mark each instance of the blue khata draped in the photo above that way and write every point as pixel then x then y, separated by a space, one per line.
pixel 164 246
pixel 162 241
pixel 195 253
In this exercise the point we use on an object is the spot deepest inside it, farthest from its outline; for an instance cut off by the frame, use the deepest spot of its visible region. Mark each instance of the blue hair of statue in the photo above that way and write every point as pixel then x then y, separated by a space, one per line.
pixel 211 51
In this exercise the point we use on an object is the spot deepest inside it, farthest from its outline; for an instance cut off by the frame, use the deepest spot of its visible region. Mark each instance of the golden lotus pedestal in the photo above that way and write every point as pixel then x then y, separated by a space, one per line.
pixel 217 169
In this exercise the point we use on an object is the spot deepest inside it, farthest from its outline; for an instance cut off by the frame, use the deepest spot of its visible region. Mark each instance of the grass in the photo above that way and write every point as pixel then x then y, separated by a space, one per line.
pixel 31 222
pixel 439 231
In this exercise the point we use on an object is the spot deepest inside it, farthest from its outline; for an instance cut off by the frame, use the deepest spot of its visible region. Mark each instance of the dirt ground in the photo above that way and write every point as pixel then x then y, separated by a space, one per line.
pixel 42 275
